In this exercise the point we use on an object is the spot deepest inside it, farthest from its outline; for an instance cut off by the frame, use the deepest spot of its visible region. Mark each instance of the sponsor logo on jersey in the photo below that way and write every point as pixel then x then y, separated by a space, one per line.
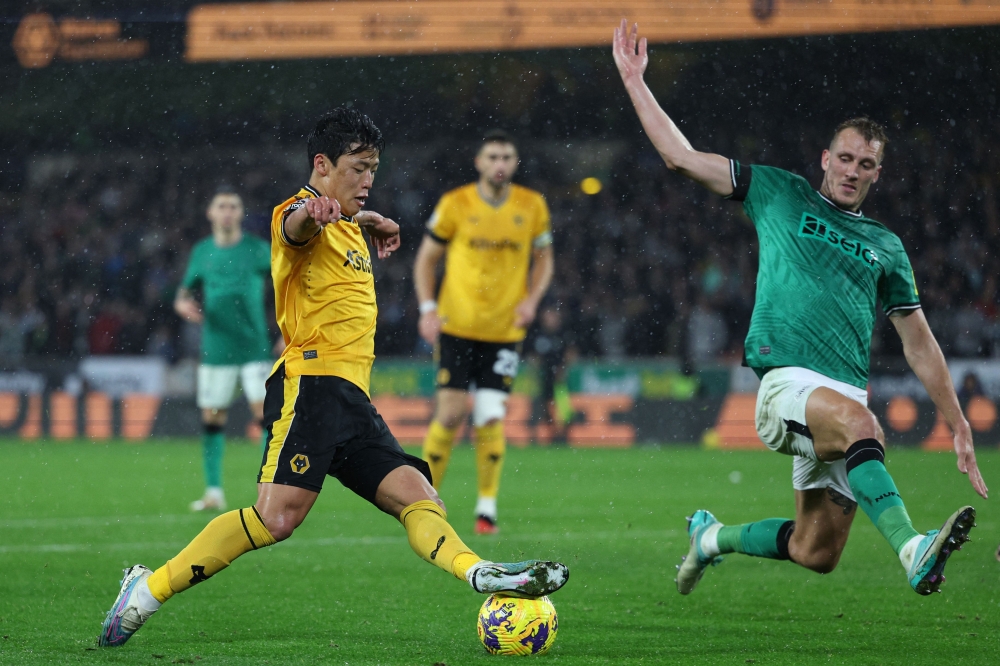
pixel 819 229
pixel 358 261
pixel 309 354
pixel 490 244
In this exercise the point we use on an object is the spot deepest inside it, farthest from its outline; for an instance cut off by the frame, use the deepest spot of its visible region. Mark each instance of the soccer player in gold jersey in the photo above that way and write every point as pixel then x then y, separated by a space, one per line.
pixel 319 419
pixel 498 243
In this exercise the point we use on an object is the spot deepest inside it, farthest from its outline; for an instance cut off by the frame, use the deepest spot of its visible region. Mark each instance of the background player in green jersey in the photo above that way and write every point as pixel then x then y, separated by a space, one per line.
pixel 823 268
pixel 230 269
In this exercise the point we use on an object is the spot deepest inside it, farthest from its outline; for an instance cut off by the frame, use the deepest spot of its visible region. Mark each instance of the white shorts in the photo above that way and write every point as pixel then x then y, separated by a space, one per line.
pixel 781 425
pixel 217 383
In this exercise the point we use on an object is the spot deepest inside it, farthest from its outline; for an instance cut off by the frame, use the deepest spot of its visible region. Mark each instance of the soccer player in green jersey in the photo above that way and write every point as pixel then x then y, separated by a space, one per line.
pixel 230 269
pixel 823 267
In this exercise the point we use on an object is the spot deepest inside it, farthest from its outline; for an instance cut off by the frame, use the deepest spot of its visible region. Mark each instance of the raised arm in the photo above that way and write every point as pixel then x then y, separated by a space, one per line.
pixel 925 357
pixel 706 169
pixel 424 279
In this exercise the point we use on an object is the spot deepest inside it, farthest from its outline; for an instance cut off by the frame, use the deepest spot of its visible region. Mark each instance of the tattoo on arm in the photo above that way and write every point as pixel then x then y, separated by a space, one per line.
pixel 842 501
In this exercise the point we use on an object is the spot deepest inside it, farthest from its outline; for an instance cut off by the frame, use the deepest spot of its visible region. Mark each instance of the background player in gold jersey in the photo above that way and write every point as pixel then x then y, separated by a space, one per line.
pixel 319 419
pixel 492 231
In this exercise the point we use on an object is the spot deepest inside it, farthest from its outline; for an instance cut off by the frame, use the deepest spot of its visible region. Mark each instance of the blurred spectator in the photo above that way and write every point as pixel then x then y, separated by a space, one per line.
pixel 970 388
pixel 652 265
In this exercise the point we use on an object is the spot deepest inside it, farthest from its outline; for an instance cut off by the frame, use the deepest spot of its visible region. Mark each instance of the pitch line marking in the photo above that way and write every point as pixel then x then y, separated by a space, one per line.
pixel 333 541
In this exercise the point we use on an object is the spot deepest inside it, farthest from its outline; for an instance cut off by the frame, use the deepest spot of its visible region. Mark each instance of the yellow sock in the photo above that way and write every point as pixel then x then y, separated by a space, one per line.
pixel 223 540
pixel 490 448
pixel 437 450
pixel 434 540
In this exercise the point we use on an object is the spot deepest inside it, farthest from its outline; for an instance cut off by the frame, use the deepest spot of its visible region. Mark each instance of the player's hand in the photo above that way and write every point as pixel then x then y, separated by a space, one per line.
pixel 630 52
pixel 525 313
pixel 429 326
pixel 967 461
pixel 189 310
pixel 323 210
pixel 383 231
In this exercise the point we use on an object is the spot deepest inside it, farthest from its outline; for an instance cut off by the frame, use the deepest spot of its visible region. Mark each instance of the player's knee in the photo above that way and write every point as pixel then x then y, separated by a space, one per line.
pixel 450 418
pixel 859 423
pixel 821 562
pixel 490 406
pixel 281 525
pixel 451 412
pixel 214 417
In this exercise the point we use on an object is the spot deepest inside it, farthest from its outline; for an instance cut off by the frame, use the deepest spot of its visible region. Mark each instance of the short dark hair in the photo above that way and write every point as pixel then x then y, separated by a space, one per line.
pixel 337 130
pixel 866 127
pixel 497 136
pixel 225 189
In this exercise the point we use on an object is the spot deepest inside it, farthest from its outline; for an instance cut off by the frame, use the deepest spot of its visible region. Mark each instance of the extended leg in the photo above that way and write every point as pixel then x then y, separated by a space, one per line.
pixel 279 510
pixel 823 520
pixel 814 540
pixel 406 494
pixel 449 413
pixel 844 429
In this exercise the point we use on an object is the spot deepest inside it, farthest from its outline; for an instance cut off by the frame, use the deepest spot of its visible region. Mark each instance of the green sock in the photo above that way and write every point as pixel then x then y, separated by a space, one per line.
pixel 877 496
pixel 213 441
pixel 765 538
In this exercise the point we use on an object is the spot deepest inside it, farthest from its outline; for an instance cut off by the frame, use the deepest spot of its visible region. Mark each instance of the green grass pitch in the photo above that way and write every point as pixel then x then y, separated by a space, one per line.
pixel 346 589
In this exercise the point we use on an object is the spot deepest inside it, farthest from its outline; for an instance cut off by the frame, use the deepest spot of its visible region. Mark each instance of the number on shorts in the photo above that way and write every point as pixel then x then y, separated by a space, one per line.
pixel 506 364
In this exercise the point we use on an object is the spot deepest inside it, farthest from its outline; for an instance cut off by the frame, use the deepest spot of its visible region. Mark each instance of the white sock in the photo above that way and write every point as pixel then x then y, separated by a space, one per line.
pixel 710 540
pixel 907 552
pixel 487 506
pixel 145 598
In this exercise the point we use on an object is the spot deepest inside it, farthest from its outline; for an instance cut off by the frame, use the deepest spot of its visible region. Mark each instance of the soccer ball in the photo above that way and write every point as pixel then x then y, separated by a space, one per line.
pixel 512 626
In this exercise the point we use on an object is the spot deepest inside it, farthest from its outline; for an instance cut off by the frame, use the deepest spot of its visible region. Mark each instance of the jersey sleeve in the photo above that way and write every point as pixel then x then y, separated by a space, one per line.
pixel 443 222
pixel 740 175
pixel 281 213
pixel 542 236
pixel 898 287
pixel 760 185
pixel 192 275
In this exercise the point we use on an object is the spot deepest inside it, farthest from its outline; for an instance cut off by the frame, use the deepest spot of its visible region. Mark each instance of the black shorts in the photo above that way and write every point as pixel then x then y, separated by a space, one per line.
pixel 489 365
pixel 324 425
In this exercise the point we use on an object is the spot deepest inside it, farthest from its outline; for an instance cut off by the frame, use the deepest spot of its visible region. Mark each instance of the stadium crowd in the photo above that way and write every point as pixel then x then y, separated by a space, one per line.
pixel 95 244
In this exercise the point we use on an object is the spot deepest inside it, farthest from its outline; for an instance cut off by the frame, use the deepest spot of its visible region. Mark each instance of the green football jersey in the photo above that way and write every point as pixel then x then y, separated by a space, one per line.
pixel 232 282
pixel 821 272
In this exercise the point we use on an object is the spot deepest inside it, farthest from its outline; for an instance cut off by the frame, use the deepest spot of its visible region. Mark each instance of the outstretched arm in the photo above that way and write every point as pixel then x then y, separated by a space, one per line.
pixel 925 357
pixel 707 169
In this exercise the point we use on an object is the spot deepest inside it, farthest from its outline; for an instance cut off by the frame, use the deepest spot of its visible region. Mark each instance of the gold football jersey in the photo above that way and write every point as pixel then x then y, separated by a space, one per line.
pixel 324 298
pixel 489 253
